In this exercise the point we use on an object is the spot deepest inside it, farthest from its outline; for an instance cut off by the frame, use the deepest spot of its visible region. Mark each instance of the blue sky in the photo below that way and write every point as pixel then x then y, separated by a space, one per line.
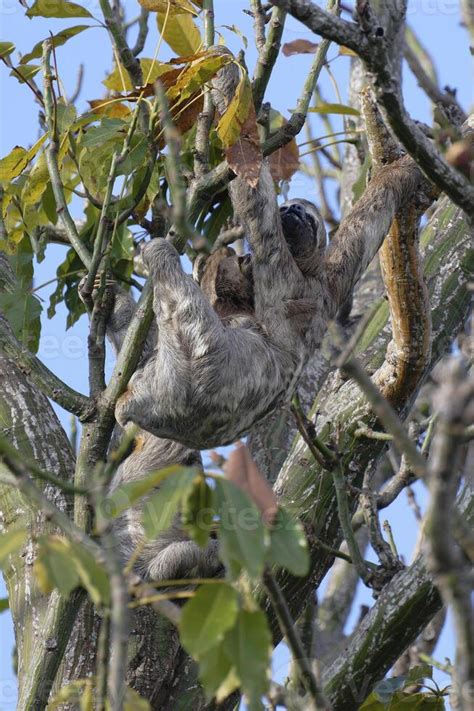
pixel 437 22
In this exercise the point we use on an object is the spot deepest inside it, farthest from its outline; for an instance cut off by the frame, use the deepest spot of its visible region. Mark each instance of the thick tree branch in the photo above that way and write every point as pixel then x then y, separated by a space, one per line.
pixel 52 386
pixel 302 480
pixel 323 23
pixel 404 608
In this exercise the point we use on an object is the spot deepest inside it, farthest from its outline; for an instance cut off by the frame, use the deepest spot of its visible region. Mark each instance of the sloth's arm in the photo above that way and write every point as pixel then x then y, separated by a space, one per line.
pixel 362 232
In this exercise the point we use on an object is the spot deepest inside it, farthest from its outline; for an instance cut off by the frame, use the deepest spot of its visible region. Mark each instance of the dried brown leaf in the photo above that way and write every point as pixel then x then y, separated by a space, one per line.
pixel 299 46
pixel 245 155
pixel 242 471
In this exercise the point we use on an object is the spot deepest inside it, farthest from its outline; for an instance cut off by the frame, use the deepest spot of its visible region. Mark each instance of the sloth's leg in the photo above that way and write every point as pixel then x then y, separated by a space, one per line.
pixel 181 559
pixel 183 312
pixel 188 329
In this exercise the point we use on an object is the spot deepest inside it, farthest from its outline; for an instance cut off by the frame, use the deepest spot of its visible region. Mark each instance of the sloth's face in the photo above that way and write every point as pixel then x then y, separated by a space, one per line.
pixel 303 228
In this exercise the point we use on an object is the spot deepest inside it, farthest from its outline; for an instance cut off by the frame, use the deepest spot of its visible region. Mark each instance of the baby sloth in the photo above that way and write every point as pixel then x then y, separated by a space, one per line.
pixel 210 380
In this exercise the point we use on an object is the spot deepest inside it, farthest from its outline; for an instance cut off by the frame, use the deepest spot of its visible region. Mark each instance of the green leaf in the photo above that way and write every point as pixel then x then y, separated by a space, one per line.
pixel 36 182
pixel 386 688
pixel 422 671
pixel 54 567
pixel 24 72
pixel 136 155
pixel 65 116
pixel 198 512
pixel 58 40
pixel 173 6
pixel 94 166
pixel 241 531
pixel 11 542
pixel 206 618
pixel 126 495
pixel 4 604
pixel 64 564
pixel 24 311
pixel 92 575
pixel 288 545
pixel 22 307
pixel 16 161
pixel 134 702
pixel 217 673
pixel 107 130
pixel 161 508
pixel 249 646
pixel 372 703
pixel 334 109
pixel 123 247
pixel 57 8
pixel 69 274
pixel 73 692
pixel 118 80
pixel 180 32
pixel 6 48
pixel 417 702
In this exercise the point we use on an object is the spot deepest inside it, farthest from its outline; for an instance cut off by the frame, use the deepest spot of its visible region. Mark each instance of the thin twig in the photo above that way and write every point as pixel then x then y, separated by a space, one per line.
pixel 52 159
pixel 346 526
pixel 385 413
pixel 288 628
pixel 142 32
pixel 298 118
pixel 268 49
pixel 365 42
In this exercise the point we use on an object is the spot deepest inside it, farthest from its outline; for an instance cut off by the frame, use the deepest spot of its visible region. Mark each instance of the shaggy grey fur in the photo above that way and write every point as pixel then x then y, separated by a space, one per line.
pixel 208 381
pixel 172 555
pixel 227 353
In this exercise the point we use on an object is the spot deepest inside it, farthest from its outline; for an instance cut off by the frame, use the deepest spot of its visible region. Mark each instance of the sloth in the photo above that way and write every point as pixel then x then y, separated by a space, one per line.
pixel 172 555
pixel 210 380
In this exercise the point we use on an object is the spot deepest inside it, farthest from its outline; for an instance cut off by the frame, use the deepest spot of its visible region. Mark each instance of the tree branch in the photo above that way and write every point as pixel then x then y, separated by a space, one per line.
pixel 323 23
pixel 289 630
pixel 268 51
pixel 403 609
pixel 52 386
pixel 373 48
pixel 52 158
pixel 451 570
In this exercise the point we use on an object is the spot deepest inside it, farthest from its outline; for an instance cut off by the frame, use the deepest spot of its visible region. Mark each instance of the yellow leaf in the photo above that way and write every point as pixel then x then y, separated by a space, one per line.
pixel 36 182
pixel 112 108
pixel 118 80
pixel 71 692
pixel 345 51
pixel 14 163
pixel 230 124
pixel 197 74
pixel 180 32
pixel 173 7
